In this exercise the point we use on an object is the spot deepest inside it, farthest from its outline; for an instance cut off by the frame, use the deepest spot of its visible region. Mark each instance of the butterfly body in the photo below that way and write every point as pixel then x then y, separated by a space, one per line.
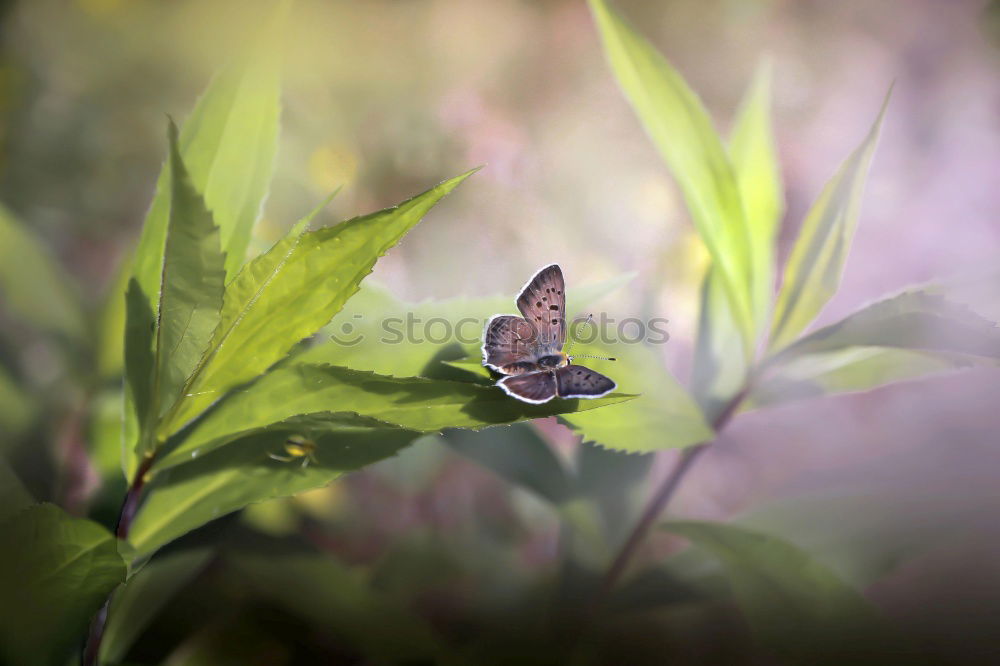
pixel 528 349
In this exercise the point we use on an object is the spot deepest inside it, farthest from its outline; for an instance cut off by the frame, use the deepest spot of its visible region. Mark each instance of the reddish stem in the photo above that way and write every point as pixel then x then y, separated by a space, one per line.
pixel 129 507
pixel 658 502
pixel 132 497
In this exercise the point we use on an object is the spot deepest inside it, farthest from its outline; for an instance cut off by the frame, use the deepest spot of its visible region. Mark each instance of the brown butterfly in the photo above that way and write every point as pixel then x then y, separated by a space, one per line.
pixel 528 349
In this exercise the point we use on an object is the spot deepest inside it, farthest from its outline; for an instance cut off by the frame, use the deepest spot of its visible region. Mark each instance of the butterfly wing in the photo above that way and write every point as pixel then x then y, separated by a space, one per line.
pixel 535 387
pixel 576 381
pixel 508 345
pixel 543 304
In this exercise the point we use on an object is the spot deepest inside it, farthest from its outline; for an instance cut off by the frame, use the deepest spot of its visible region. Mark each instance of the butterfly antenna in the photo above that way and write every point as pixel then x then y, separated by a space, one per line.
pixel 590 319
pixel 601 358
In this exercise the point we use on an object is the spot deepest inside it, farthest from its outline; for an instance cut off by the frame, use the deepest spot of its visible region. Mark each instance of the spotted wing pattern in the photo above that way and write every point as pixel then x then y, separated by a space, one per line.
pixel 508 345
pixel 576 381
pixel 535 387
pixel 543 304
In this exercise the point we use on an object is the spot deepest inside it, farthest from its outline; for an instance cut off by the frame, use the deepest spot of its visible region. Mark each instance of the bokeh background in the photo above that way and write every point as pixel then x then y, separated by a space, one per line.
pixel 389 97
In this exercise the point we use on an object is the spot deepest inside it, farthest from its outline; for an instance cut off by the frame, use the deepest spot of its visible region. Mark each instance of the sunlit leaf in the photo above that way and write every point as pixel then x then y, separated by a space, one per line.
pixel 415 403
pixel 136 604
pixel 190 296
pixel 758 175
pixel 473 363
pixel 795 606
pixel 220 481
pixel 228 145
pixel 289 293
pixel 442 340
pixel 379 332
pixel 812 274
pixel 55 573
pixel 682 131
pixel 720 362
pixel 663 416
pixel 33 287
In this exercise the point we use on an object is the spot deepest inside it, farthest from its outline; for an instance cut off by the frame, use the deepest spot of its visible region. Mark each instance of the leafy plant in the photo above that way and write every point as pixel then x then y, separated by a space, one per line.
pixel 734 196
pixel 213 388
pixel 204 364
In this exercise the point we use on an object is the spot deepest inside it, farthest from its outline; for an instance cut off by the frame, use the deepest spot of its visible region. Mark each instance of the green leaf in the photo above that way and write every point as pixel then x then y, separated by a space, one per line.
pixel 289 293
pixel 244 111
pixel 190 294
pixel 340 601
pixel 379 332
pixel 681 129
pixel 414 403
pixel 517 455
pixel 228 145
pixel 663 416
pixel 473 363
pixel 33 286
pixel 910 335
pixel 848 370
pixel 758 176
pixel 442 340
pixel 915 319
pixel 216 482
pixel 139 362
pixel 55 573
pixel 812 274
pixel 795 606
pixel 720 363
pixel 136 604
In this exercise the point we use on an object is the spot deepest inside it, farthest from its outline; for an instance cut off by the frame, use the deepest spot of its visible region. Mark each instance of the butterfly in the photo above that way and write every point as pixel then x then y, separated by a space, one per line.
pixel 528 349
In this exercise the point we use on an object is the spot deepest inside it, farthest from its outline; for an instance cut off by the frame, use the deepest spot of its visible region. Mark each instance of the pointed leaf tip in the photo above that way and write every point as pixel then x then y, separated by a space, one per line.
pixel 812 274
pixel 680 127
pixel 322 269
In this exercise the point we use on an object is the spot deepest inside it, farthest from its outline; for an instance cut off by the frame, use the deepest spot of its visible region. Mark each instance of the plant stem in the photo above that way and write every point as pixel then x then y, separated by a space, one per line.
pixel 649 515
pixel 658 502
pixel 132 497
pixel 95 635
